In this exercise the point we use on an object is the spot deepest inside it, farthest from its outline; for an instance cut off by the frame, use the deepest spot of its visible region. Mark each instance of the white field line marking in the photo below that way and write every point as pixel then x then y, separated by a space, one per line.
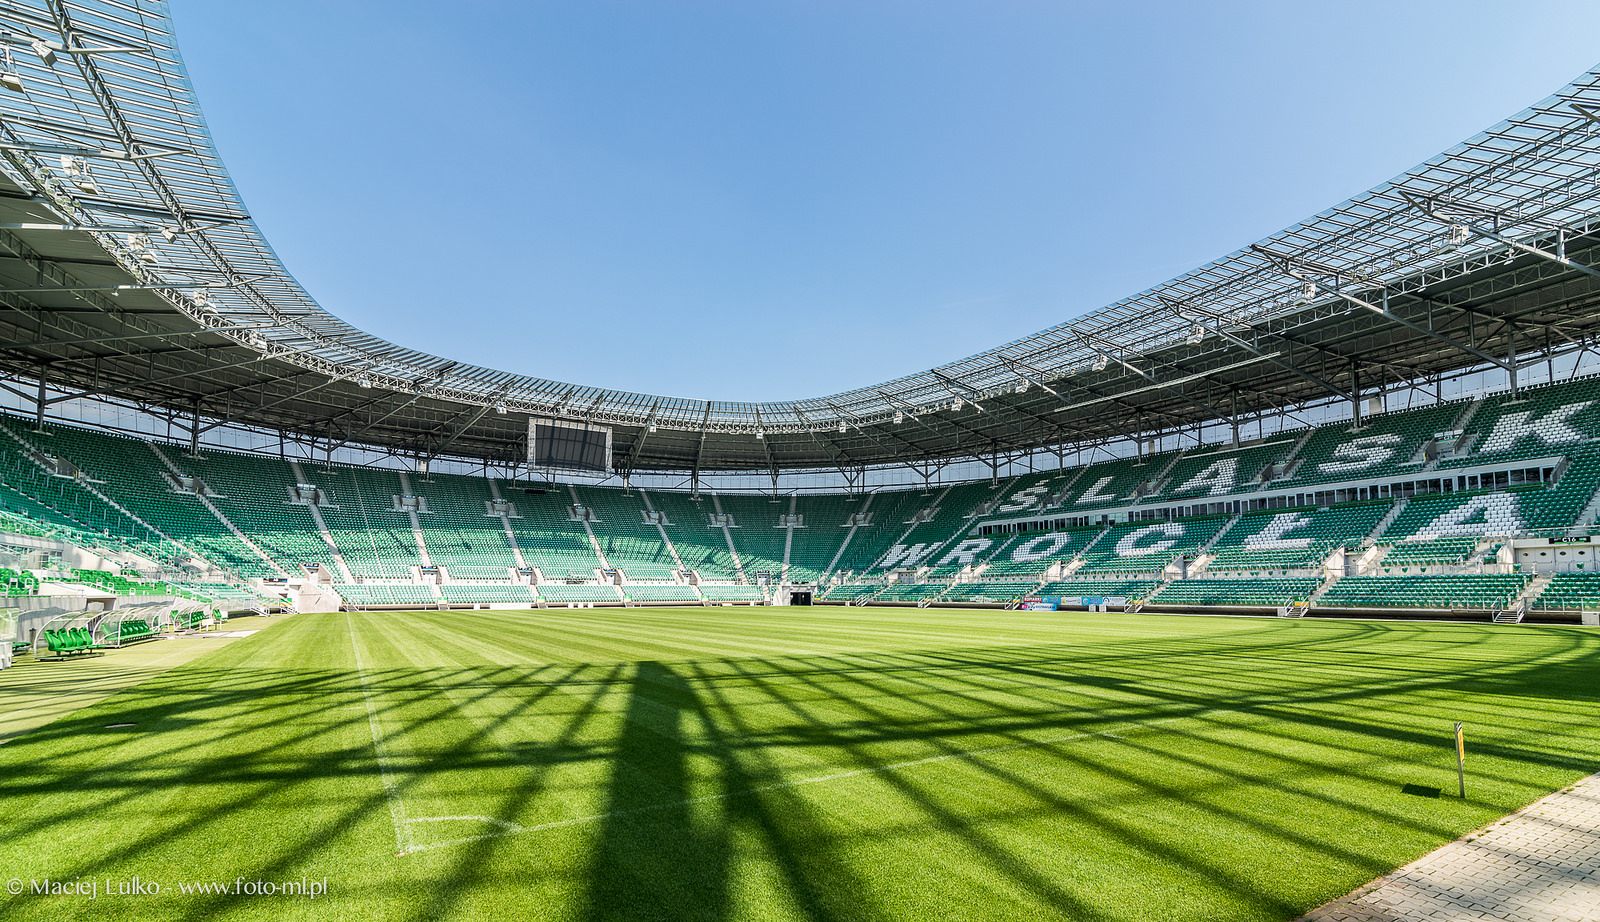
pixel 508 828
pixel 391 790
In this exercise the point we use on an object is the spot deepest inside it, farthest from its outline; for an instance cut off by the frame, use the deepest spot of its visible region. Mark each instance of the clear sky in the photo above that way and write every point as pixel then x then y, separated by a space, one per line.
pixel 786 198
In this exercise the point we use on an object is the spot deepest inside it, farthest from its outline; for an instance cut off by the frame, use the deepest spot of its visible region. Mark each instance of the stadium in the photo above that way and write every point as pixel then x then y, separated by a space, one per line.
pixel 1176 609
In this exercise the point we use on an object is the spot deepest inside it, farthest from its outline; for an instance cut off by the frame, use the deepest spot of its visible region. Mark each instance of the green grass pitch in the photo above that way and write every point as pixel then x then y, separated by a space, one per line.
pixel 791 763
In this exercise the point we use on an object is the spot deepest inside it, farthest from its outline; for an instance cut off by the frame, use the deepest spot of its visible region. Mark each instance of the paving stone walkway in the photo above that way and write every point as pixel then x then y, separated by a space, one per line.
pixel 1540 865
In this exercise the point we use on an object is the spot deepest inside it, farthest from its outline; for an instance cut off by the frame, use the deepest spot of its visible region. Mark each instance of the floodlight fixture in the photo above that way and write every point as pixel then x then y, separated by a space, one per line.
pixel 1101 361
pixel 1459 234
pixel 77 170
pixel 1197 334
pixel 45 50
pixel 1308 292
pixel 9 78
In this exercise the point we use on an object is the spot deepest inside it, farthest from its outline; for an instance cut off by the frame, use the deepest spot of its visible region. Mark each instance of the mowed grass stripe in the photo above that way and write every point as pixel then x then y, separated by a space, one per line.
pixel 754 763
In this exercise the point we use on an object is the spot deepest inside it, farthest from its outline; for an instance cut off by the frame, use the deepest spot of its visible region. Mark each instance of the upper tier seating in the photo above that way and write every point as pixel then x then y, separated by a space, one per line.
pixel 821 532
pixel 1538 422
pixel 756 533
pixel 550 538
pixel 255 493
pixel 630 543
pixel 1220 471
pixel 461 535
pixel 67 500
pixel 702 546
pixel 889 514
pixel 1285 539
pixel 130 473
pixel 1390 443
pixel 1147 547
pixel 1113 482
pixel 374 537
pixel 1032 554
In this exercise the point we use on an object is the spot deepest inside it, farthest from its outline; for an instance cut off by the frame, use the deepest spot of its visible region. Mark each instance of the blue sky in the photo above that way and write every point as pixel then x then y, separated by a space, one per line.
pixel 718 198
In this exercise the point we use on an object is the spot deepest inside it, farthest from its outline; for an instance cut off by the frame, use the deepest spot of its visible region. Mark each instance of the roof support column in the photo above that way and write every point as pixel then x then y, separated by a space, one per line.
pixel 1511 360
pixel 39 402
pixel 1233 414
pixel 1355 395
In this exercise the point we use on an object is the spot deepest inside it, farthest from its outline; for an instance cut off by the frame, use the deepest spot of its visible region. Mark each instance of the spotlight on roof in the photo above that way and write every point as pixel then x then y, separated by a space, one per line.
pixel 1459 233
pixel 652 427
pixel 140 245
pixel 1197 334
pixel 1101 361
pixel 955 405
pixel 500 408
pixel 899 417
pixel 842 426
pixel 77 171
pixel 9 78
pixel 170 234
pixel 760 434
pixel 1022 387
pixel 363 380
pixel 45 50
pixel 1308 293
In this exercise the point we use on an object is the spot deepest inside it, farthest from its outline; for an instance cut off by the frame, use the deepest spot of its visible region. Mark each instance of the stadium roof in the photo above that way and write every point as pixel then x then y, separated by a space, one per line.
pixel 132 269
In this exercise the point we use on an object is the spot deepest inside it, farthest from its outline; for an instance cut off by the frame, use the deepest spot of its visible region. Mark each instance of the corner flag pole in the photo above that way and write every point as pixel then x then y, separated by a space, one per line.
pixel 1461 760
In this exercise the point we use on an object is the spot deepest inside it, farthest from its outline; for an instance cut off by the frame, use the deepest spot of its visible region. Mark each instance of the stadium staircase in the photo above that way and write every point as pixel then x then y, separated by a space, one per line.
pixel 733 552
pixel 666 539
pixel 200 495
pixel 322 527
pixel 506 511
pixel 416 525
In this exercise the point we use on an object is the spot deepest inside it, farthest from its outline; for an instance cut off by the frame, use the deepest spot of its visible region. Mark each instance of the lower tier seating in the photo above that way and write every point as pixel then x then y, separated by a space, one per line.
pixel 1266 591
pixel 507 594
pixel 1570 592
pixel 578 592
pixel 362 594
pixel 990 591
pixel 660 592
pixel 1442 591
pixel 1100 588
pixel 732 593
